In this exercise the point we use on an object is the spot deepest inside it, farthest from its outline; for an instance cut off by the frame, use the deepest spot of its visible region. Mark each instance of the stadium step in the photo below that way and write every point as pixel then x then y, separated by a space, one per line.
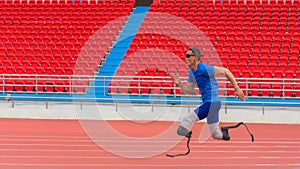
pixel 119 50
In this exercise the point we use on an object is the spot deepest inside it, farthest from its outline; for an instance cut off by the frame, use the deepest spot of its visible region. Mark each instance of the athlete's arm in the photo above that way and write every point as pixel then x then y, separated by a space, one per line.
pixel 189 88
pixel 220 71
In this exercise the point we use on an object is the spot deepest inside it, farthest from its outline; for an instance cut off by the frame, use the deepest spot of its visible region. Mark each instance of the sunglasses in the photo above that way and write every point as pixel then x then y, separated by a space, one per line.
pixel 189 55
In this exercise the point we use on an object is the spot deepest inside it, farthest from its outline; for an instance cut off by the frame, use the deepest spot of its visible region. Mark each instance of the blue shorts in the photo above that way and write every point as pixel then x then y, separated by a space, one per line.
pixel 209 110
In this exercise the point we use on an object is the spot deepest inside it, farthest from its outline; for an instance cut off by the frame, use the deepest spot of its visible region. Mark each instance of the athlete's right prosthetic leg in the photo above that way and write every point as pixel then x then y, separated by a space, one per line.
pixel 226 134
pixel 216 133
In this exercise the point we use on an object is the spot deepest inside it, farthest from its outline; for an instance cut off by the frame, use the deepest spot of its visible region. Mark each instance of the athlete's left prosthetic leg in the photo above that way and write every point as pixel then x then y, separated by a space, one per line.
pixel 184 130
pixel 186 123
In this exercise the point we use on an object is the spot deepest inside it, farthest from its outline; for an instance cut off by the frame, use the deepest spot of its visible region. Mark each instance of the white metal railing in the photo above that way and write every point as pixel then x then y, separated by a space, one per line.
pixel 33 83
pixel 246 84
pixel 124 85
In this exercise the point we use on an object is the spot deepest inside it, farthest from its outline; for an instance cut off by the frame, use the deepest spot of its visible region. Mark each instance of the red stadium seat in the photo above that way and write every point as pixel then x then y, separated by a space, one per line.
pixel 167 87
pixel 277 90
pixel 289 74
pixel 288 90
pixel 145 87
pixel 29 85
pixel 49 87
pixel 268 74
pixel 19 86
pixel 254 89
pixel 9 85
pixel 278 74
pixel 230 90
pixel 256 76
pixel 155 88
pixel 265 89
pixel 134 88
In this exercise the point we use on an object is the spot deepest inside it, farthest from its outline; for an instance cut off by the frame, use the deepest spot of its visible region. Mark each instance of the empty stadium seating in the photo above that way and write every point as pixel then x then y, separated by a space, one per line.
pixel 253 39
pixel 66 38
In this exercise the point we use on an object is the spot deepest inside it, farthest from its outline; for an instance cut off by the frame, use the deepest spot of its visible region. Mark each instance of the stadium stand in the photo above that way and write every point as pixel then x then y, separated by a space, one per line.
pixel 49 41
pixel 253 39
pixel 44 39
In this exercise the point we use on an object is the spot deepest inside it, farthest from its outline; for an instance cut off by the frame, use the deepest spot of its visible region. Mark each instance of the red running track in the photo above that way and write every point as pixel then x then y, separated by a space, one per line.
pixel 62 144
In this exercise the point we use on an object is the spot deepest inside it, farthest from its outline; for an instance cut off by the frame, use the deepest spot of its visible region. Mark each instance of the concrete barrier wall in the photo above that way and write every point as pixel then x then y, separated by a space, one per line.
pixel 142 112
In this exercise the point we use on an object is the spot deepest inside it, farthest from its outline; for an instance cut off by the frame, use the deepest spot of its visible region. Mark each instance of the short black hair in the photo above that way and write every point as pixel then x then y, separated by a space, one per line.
pixel 197 52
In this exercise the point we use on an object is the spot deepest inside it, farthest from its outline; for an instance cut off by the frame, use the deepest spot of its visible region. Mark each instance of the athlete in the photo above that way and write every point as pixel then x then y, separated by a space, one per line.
pixel 203 76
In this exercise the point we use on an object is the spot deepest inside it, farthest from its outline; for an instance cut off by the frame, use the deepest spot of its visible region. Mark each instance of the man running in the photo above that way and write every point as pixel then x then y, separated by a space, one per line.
pixel 203 76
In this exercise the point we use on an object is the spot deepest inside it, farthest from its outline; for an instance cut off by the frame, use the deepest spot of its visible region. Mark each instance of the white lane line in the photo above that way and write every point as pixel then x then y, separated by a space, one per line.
pixel 264 165
pixel 277 157
pixel 100 137
pixel 157 157
pixel 100 150
pixel 117 140
pixel 148 165
pixel 92 144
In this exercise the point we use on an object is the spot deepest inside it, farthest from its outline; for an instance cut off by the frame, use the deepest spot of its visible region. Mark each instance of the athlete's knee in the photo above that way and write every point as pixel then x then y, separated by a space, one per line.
pixel 215 132
pixel 214 137
pixel 217 135
pixel 189 120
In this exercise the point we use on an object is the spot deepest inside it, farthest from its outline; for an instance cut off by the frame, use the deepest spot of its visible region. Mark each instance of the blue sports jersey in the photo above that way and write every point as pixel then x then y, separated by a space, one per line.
pixel 205 80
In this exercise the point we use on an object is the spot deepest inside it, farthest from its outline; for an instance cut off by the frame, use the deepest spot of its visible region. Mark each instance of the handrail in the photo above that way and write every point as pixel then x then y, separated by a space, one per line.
pixel 73 82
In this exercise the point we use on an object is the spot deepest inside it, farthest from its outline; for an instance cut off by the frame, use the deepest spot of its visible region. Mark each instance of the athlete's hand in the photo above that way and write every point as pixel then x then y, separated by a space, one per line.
pixel 175 79
pixel 239 93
